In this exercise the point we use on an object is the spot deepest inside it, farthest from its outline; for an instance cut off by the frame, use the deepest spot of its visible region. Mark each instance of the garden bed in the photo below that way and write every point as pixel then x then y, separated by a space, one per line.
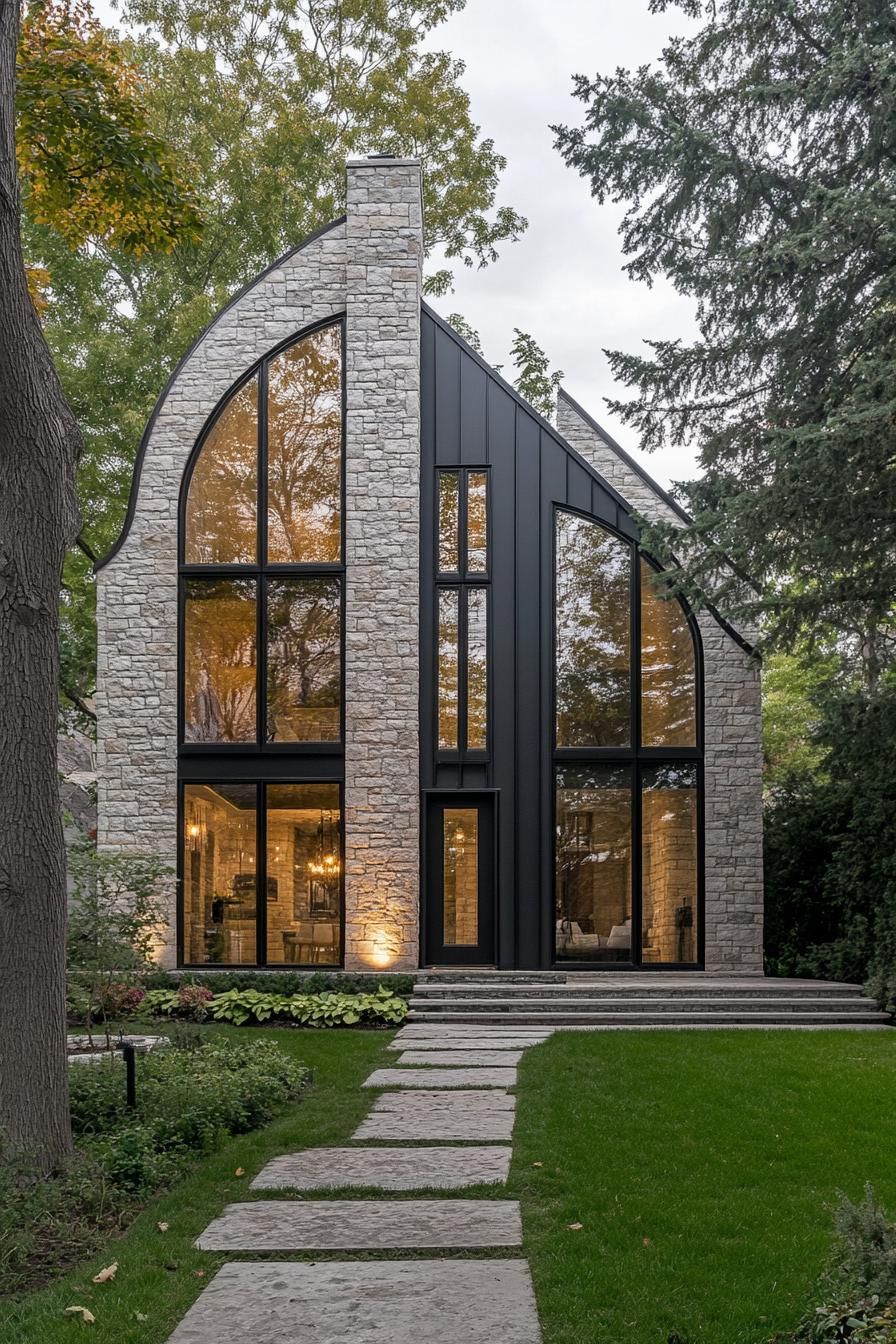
pixel 188 1101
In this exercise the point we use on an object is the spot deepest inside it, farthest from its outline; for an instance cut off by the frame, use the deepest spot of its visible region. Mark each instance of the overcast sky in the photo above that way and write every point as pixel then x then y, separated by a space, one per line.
pixel 563 281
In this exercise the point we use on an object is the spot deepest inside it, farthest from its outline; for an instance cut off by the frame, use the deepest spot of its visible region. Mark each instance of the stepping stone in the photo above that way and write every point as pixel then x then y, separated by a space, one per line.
pixel 442 1078
pixel 367 1302
pixel 363 1225
pixel 450 1117
pixel 458 1043
pixel 387 1168
pixel 463 1059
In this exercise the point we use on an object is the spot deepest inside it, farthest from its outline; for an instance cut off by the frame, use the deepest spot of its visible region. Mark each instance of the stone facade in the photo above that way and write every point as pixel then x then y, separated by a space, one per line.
pixel 137 588
pixel 732 736
pixel 367 268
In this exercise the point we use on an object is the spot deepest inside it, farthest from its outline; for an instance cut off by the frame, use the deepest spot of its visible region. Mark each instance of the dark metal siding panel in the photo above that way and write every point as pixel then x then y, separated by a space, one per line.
pixel 427 548
pixel 470 417
pixel 502 460
pixel 447 393
pixel 528 682
pixel 555 483
pixel 578 483
pixel 473 420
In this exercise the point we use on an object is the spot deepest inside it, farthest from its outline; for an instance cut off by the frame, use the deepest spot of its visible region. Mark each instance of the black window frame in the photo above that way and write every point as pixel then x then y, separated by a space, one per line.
pixel 636 756
pixel 461 581
pixel 260 762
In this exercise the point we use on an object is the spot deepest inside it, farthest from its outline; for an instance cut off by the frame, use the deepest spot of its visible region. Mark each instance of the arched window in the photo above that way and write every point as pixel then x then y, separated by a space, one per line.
pixel 627 759
pixel 262 578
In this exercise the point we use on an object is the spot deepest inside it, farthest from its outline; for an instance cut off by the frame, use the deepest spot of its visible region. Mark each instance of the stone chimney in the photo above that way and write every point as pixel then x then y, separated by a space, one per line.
pixel 384 253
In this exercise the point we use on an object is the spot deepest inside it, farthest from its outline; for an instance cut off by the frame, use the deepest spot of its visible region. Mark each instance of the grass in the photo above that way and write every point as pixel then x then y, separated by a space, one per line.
pixel 160 1273
pixel 703 1167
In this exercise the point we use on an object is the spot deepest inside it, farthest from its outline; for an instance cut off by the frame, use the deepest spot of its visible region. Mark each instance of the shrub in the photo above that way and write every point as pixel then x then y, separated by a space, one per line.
pixel 115 912
pixel 285 982
pixel 117 1000
pixel 187 1102
pixel 185 1099
pixel 859 1286
pixel 239 1006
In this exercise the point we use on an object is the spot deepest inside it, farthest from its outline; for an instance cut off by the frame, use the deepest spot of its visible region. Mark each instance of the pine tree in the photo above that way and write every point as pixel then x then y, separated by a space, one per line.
pixel 757 162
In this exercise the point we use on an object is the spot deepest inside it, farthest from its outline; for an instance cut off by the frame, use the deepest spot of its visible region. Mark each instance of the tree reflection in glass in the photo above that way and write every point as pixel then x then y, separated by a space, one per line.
pixel 477 669
pixel 668 670
pixel 593 635
pixel 448 668
pixel 305 450
pixel 219 647
pixel 304 660
pixel 449 522
pixel 221 501
pixel 477 522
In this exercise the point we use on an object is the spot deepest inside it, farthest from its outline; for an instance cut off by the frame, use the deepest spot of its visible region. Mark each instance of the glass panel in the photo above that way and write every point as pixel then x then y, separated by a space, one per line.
pixel 448 669
pixel 304 660
pixel 449 541
pixel 304 853
pixel 305 450
pixel 219 650
pixel 477 669
pixel 668 669
pixel 219 875
pixel 593 658
pixel 669 863
pixel 477 522
pixel 222 497
pixel 594 863
pixel 460 909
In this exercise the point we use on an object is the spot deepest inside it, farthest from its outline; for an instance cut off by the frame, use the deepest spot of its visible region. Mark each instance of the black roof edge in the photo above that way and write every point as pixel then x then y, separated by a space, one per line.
pixel 172 377
pixel 582 461
pixel 527 406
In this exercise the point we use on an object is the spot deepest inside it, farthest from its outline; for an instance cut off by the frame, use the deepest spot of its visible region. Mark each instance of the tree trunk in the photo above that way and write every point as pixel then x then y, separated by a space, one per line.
pixel 39 449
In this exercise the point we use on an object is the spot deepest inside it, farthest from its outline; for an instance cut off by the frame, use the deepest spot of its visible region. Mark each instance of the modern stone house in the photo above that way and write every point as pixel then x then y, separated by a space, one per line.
pixel 383 670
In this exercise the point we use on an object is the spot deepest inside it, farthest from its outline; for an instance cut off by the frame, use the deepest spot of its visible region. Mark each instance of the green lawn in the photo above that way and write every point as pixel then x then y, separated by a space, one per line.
pixel 703 1167
pixel 159 1272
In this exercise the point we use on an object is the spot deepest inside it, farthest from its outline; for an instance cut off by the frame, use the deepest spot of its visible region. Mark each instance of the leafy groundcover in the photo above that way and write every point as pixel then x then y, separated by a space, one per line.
pixel 242 1006
pixel 188 1101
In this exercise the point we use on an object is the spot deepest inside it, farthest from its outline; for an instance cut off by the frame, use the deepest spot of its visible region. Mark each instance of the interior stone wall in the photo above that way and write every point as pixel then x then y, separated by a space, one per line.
pixel 733 739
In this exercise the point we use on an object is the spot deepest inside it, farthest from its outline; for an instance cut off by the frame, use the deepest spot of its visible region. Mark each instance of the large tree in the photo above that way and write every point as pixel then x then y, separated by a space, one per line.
pixel 266 99
pixel 757 164
pixel 94 170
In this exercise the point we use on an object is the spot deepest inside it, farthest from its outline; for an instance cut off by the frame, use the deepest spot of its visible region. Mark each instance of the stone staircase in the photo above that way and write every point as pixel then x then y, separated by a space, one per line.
pixel 595 1000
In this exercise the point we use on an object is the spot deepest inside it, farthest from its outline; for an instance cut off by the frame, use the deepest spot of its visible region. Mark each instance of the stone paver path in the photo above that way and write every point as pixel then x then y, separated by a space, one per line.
pixel 363 1225
pixel 451 1116
pixel 386 1168
pixel 462 1059
pixel 366 1302
pixel 447 1095
pixel 459 1077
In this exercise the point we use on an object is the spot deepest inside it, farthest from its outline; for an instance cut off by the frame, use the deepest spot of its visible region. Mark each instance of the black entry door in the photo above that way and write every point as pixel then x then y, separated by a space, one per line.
pixel 460 881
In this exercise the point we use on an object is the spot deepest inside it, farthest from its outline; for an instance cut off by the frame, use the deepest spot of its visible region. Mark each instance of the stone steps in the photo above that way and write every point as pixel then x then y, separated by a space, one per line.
pixel 516 1002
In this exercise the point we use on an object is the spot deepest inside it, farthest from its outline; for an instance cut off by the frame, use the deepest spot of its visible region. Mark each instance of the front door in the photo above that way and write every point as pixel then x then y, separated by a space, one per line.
pixel 460 881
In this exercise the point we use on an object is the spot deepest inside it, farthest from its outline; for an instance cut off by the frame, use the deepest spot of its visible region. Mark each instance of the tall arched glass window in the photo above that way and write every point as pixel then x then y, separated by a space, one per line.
pixel 261 666
pixel 627 759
